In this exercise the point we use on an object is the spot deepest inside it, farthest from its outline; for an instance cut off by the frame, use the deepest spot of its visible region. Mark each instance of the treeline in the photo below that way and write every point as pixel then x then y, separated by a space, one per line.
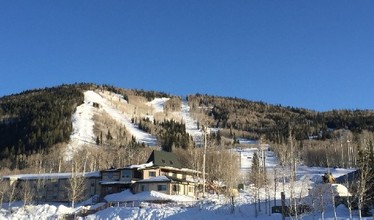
pixel 149 95
pixel 274 121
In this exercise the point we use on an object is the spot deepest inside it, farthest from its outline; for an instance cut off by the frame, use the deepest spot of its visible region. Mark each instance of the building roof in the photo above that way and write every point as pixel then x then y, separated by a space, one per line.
pixel 163 158
pixel 349 177
pixel 156 179
pixel 50 176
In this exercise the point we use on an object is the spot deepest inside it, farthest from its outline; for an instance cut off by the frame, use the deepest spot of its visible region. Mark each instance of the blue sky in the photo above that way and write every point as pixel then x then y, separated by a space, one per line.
pixel 312 54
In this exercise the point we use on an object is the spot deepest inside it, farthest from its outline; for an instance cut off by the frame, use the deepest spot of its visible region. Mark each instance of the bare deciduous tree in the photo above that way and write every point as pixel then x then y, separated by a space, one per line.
pixel 27 192
pixel 365 178
pixel 76 183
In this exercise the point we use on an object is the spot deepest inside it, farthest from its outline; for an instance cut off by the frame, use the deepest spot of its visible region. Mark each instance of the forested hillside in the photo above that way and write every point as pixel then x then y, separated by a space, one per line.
pixel 36 121
pixel 254 119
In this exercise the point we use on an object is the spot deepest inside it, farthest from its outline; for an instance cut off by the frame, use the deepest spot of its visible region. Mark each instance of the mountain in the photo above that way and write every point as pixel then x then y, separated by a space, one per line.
pixel 72 116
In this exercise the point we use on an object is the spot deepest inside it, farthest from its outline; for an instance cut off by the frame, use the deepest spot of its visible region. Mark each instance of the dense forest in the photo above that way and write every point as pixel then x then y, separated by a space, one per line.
pixel 37 119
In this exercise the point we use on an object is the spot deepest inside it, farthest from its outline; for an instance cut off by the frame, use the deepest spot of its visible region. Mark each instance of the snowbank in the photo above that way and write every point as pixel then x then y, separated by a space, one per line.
pixel 321 195
pixel 127 196
pixel 36 212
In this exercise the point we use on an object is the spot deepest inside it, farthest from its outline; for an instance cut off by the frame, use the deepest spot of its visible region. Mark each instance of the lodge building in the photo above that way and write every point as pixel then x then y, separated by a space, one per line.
pixel 162 172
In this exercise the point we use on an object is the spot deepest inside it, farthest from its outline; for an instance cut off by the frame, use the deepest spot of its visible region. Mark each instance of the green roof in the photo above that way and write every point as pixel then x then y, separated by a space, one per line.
pixel 163 158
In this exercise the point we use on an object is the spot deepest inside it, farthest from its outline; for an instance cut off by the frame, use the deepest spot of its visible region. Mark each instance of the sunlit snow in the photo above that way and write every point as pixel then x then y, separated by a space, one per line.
pixel 83 123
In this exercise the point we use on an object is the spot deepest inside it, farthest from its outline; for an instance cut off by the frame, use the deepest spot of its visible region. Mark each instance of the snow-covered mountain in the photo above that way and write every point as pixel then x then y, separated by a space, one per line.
pixel 115 106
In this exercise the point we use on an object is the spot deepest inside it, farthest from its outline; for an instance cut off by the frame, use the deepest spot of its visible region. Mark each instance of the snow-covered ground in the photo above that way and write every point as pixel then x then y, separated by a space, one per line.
pixel 212 207
pixel 308 180
pixel 83 124
pixel 182 207
pixel 191 124
pixel 246 156
pixel 158 104
pixel 127 196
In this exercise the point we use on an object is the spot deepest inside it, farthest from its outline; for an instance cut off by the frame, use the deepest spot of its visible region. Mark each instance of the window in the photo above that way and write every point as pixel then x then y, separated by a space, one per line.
pixel 161 187
pixel 110 175
pixel 163 161
pixel 143 188
pixel 190 189
pixel 152 173
pixel 126 174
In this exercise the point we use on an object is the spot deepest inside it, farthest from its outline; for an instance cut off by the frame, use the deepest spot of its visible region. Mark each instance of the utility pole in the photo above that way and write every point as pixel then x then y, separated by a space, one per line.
pixel 349 154
pixel 204 158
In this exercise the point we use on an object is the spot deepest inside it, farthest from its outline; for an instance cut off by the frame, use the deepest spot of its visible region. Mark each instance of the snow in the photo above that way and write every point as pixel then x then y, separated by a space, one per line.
pixel 158 104
pixel 212 207
pixel 246 155
pixel 49 176
pixel 246 141
pixel 141 166
pixel 83 124
pixel 308 179
pixel 127 196
pixel 191 124
pixel 218 210
pixel 155 179
pixel 36 212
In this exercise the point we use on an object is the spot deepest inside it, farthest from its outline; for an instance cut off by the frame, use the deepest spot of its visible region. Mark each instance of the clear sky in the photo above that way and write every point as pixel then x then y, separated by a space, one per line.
pixel 312 54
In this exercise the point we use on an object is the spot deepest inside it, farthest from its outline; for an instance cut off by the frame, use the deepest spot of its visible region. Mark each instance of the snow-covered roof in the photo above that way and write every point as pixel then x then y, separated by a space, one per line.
pixel 155 179
pixel 141 166
pixel 114 182
pixel 187 170
pixel 49 176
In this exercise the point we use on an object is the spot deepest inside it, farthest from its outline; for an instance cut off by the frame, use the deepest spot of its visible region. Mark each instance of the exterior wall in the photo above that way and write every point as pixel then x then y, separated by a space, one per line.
pixel 177 174
pixel 109 189
pixel 146 173
pixel 183 189
pixel 170 188
pixel 153 187
pixel 110 175
pixel 57 190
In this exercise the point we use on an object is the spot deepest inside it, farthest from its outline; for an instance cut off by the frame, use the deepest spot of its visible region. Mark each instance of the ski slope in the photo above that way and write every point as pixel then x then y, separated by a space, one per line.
pixel 191 124
pixel 83 124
